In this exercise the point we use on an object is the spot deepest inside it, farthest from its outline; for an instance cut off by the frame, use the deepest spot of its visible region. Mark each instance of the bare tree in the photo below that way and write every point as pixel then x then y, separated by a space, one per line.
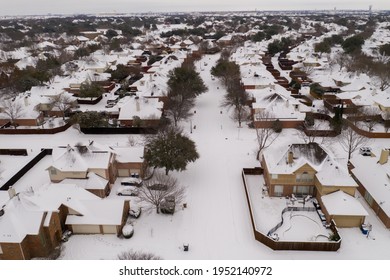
pixel 265 136
pixel 237 98
pixel 63 103
pixel 371 115
pixel 179 107
pixel 341 60
pixel 309 132
pixel 137 255
pixel 381 72
pixel 155 190
pixel 386 118
pixel 13 110
pixel 350 140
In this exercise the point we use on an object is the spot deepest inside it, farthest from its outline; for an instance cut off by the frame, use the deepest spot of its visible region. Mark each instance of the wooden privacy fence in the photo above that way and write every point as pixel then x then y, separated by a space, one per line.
pixel 287 245
pixel 36 130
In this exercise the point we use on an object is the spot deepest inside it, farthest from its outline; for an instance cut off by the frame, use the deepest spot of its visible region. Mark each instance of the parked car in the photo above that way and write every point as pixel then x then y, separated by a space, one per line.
pixel 110 105
pixel 131 181
pixel 365 151
pixel 128 190
pixel 168 205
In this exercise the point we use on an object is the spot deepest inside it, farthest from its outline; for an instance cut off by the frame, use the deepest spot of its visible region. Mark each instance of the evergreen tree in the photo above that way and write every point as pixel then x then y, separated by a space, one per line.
pixel 170 149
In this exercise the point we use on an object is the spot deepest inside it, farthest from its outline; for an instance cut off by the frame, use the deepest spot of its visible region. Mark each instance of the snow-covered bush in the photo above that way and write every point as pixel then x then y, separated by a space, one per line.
pixel 128 231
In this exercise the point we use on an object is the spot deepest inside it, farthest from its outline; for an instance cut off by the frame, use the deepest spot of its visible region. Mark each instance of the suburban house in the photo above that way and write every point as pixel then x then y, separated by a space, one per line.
pixel 303 170
pixel 92 183
pixel 32 223
pixel 21 110
pixel 78 161
pixel 129 161
pixel 141 112
pixel 275 103
pixel 372 172
pixel 25 233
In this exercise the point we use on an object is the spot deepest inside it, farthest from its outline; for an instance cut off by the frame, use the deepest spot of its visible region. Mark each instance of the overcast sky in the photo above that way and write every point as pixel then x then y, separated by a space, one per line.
pixel 32 7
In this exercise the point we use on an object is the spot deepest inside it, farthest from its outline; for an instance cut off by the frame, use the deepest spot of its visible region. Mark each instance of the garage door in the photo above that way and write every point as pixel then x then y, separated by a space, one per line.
pixel 348 221
pixel 109 229
pixel 86 229
pixel 123 172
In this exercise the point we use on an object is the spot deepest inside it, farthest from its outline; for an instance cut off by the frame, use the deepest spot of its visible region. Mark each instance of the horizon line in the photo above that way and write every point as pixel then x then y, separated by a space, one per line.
pixel 195 12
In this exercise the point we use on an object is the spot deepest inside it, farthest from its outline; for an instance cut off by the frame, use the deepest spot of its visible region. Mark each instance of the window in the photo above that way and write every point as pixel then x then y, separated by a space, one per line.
pixel 368 198
pixel 53 171
pixel 1 251
pixel 278 190
pixel 305 177
pixel 304 190
pixel 274 176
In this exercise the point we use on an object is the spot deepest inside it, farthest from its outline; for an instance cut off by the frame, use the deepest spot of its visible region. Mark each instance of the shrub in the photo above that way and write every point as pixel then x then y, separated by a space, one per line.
pixel 277 126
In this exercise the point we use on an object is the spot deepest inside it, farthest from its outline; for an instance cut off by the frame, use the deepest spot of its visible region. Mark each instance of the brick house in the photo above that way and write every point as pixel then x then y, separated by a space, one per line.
pixel 129 161
pixel 25 233
pixel 144 112
pixel 307 169
pixel 78 161
pixel 371 171
pixel 31 224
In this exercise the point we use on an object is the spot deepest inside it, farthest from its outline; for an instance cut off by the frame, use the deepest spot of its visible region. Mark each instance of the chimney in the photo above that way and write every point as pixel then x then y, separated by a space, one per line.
pixel 290 157
pixel 26 103
pixel 11 192
pixel 384 156
pixel 137 105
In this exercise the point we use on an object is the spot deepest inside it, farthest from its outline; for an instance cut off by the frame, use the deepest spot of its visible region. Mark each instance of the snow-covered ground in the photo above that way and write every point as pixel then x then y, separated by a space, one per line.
pixel 216 222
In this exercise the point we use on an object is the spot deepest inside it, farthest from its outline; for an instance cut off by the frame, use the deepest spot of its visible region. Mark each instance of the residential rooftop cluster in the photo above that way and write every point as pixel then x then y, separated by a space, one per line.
pixel 95 110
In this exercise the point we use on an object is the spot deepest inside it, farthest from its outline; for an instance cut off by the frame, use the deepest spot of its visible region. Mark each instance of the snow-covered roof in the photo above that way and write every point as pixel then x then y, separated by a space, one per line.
pixel 79 159
pixel 129 154
pixel 382 99
pixel 27 105
pixel 144 108
pixel 277 101
pixel 340 203
pixel 312 154
pixel 92 181
pixel 50 197
pixel 328 171
pixel 333 174
pixel 99 212
pixel 18 222
pixel 374 176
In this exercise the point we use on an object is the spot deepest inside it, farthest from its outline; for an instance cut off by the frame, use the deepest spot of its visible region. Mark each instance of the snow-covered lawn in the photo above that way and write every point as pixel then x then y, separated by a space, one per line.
pixel 377 127
pixel 216 222
pixel 16 162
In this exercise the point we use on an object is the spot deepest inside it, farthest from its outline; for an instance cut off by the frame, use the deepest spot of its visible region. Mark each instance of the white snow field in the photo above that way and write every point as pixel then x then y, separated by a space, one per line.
pixel 216 222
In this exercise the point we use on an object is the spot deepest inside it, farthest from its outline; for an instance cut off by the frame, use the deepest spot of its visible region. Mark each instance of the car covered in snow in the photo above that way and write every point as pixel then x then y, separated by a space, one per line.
pixel 131 181
pixel 127 190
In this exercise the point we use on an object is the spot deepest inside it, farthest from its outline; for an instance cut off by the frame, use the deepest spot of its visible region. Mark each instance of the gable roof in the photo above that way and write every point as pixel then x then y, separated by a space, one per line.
pixel 81 158
pixel 92 181
pixel 17 221
pixel 311 154
pixel 99 212
pixel 373 176
pixel 340 203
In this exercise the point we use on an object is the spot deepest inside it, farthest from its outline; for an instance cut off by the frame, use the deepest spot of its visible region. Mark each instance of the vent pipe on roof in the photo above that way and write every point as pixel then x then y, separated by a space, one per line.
pixel 384 156
pixel 11 192
pixel 290 157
